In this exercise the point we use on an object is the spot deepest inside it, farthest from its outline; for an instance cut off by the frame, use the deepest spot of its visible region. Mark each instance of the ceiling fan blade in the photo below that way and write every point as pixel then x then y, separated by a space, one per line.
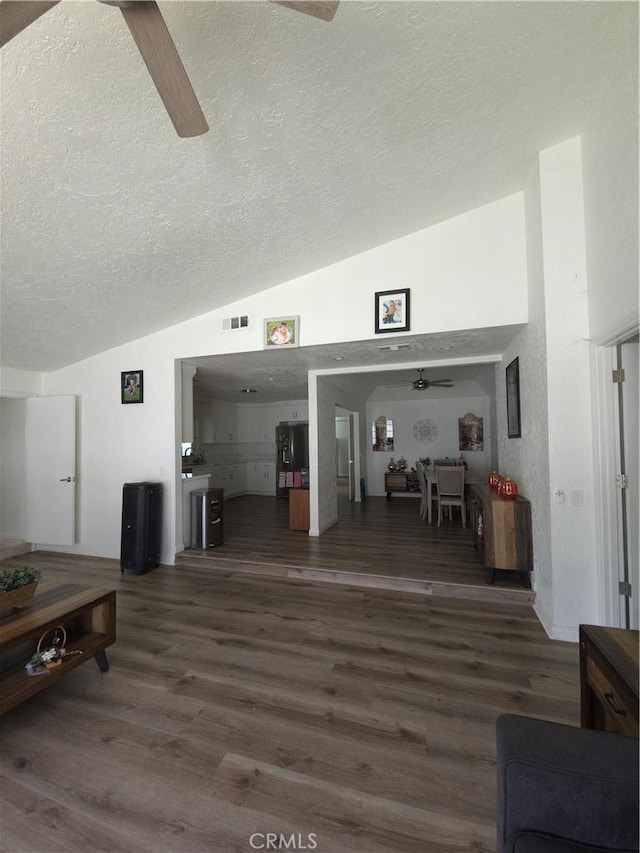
pixel 442 383
pixel 324 9
pixel 154 42
pixel 16 15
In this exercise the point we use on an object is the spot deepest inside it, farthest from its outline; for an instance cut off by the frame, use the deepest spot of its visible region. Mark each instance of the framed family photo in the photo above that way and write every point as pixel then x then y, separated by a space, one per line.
pixel 281 333
pixel 392 311
pixel 131 386
pixel 514 429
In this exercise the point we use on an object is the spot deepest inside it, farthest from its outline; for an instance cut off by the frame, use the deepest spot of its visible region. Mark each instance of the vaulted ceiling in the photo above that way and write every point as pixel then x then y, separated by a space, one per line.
pixel 326 139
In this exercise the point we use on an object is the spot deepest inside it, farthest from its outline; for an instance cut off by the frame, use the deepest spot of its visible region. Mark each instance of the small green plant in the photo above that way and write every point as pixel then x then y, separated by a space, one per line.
pixel 18 577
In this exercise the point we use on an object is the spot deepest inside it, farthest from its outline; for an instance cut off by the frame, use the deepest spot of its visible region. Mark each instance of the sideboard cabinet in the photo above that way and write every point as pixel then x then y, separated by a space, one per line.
pixel 502 531
pixel 401 481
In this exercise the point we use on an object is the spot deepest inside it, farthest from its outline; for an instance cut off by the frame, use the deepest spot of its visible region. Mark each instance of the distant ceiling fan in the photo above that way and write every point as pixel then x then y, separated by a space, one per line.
pixel 154 42
pixel 421 384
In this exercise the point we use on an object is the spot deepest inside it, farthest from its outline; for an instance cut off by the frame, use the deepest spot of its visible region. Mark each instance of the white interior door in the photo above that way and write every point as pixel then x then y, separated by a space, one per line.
pixel 50 434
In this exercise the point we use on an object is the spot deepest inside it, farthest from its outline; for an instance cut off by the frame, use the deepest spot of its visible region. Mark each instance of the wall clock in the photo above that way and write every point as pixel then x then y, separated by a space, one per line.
pixel 425 430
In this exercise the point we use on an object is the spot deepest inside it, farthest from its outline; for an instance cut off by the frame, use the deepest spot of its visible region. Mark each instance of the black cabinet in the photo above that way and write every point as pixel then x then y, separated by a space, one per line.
pixel 141 526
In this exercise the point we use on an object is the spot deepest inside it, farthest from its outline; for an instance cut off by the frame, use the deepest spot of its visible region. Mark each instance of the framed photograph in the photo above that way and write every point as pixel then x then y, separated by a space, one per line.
pixel 392 311
pixel 131 386
pixel 470 432
pixel 281 333
pixel 514 429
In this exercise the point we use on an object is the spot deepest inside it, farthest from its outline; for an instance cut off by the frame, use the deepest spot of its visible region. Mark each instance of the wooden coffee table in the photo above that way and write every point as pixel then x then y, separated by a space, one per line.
pixel 88 615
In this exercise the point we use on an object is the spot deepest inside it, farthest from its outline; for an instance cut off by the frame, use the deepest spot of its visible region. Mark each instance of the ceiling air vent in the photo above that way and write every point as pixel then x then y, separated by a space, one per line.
pixel 232 323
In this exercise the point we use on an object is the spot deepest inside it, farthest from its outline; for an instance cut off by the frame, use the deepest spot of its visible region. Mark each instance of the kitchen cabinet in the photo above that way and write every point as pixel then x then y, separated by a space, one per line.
pixel 244 414
pixel 298 509
pixel 232 478
pixel 215 423
pixel 203 424
pixel 297 410
pixel 263 424
pixel 261 478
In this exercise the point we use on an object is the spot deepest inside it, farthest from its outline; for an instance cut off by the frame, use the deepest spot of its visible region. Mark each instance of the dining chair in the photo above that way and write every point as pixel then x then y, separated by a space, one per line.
pixel 450 490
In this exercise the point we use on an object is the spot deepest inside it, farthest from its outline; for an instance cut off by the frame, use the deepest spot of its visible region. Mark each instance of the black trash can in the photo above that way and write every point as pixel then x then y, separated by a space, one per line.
pixel 141 526
pixel 207 518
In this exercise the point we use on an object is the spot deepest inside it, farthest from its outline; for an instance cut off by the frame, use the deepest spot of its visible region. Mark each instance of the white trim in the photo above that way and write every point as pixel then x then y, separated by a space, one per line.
pixel 620 333
pixel 545 618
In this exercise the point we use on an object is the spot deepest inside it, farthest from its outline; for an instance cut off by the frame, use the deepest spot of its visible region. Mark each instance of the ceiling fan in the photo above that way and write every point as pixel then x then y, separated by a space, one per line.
pixel 154 42
pixel 421 384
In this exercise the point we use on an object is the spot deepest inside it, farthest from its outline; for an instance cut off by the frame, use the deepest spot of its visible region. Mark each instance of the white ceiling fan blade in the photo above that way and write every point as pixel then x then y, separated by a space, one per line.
pixel 323 9
pixel 16 15
pixel 161 57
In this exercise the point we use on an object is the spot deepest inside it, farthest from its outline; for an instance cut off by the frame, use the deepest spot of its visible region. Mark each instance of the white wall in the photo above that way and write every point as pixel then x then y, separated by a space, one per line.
pixel 557 399
pixel 13 516
pixel 610 162
pixel 19 383
pixel 480 255
pixel 526 459
pixel 445 413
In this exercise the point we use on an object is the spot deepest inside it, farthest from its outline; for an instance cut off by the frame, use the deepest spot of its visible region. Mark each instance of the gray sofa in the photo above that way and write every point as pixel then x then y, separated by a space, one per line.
pixel 563 789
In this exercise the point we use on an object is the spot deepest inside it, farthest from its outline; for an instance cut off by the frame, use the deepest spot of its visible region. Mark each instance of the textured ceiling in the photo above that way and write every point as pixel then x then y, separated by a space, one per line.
pixel 283 375
pixel 393 117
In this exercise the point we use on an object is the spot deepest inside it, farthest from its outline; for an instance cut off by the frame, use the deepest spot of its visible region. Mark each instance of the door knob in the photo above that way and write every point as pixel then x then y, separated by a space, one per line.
pixel 67 479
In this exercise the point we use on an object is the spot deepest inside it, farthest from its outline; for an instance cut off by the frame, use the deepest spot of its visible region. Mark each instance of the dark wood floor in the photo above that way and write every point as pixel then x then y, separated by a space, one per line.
pixel 238 704
pixel 376 540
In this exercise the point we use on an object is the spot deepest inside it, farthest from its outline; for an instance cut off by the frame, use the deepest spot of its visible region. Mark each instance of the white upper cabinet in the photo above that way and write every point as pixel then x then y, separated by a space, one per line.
pixel 263 423
pixel 225 422
pixel 244 415
pixel 297 410
pixel 215 423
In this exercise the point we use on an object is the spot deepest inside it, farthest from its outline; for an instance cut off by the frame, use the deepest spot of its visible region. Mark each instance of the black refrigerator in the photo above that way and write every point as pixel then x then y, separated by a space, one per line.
pixel 292 457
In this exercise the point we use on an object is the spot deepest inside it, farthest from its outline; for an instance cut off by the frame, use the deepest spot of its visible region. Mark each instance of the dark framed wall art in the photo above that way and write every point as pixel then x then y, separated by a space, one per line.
pixel 514 428
pixel 131 386
pixel 392 311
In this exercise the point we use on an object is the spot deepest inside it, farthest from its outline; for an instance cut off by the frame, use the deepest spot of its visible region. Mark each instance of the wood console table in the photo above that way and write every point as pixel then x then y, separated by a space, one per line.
pixel 401 481
pixel 502 531
pixel 609 679
pixel 87 614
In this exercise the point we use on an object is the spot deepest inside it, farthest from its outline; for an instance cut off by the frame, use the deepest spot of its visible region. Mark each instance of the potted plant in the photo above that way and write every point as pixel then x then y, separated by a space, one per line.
pixel 18 585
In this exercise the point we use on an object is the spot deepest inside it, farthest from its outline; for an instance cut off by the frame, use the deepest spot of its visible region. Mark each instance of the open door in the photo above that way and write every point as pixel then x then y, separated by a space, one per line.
pixel 50 435
pixel 352 462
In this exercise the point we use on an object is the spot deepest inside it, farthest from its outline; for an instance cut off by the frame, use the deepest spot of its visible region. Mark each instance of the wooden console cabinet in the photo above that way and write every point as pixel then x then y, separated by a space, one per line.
pixel 609 679
pixel 502 531
pixel 401 481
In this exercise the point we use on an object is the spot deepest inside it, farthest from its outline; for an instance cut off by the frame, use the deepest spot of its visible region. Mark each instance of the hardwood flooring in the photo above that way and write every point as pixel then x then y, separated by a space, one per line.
pixel 239 704
pixel 380 542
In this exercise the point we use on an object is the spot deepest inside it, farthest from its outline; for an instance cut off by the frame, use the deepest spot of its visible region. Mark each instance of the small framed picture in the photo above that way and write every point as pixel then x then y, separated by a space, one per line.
pixel 392 311
pixel 131 386
pixel 281 333
pixel 514 429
